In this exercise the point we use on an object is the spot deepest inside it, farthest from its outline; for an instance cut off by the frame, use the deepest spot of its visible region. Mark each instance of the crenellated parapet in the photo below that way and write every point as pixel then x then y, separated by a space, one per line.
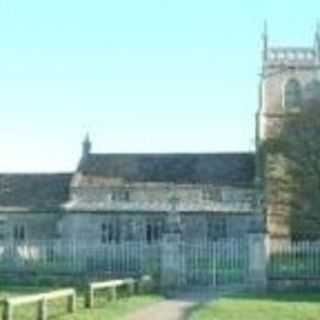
pixel 291 56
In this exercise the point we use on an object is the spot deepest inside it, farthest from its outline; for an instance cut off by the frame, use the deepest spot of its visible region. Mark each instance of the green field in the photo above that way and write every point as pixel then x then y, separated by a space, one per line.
pixel 104 309
pixel 284 306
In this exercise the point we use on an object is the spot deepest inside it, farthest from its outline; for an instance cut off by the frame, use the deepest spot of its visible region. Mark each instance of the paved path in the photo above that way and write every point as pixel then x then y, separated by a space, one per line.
pixel 172 309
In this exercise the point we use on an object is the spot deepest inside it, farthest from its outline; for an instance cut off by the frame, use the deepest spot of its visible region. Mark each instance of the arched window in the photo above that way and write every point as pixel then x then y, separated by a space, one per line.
pixel 312 91
pixel 293 95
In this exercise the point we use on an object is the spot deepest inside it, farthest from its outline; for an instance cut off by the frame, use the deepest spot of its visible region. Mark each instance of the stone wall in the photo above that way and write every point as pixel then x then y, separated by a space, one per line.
pixel 124 226
pixel 139 226
pixel 152 197
pixel 27 225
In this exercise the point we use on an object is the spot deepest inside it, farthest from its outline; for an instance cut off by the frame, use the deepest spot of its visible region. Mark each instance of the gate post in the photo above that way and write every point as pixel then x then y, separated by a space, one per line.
pixel 258 252
pixel 172 261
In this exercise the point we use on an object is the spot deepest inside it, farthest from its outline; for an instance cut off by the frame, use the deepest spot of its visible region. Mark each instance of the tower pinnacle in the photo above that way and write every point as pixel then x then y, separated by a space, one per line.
pixel 317 40
pixel 265 40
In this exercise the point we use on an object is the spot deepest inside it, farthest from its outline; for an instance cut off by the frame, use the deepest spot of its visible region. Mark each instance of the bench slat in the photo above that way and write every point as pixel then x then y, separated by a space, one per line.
pixel 111 284
pixel 38 297
pixel 25 299
pixel 60 293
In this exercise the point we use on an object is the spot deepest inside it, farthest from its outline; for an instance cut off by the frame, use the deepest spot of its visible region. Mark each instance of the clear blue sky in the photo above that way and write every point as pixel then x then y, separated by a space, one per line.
pixel 139 75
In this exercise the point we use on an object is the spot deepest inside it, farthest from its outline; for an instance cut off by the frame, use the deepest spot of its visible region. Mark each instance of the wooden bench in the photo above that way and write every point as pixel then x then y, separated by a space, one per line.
pixel 112 285
pixel 42 301
pixel 142 284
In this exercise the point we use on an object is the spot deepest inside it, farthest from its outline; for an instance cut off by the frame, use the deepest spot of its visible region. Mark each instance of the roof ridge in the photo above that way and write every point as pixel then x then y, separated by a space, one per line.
pixel 35 173
pixel 217 168
pixel 173 153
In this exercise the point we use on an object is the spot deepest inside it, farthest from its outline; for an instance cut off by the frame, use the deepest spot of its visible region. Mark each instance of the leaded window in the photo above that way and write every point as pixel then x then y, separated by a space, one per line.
pixel 154 231
pixel 110 232
pixel 19 232
pixel 217 228
pixel 103 233
pixel 120 195
pixel 2 229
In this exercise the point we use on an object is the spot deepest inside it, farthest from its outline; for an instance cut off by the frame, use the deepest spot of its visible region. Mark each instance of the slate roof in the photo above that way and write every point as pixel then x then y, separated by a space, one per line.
pixel 221 169
pixel 33 191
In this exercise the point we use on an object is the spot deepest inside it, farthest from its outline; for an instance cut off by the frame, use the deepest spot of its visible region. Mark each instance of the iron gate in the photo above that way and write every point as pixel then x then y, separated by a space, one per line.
pixel 216 263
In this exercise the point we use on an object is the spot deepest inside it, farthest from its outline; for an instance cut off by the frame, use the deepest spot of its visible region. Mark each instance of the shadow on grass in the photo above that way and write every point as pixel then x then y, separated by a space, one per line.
pixel 188 314
pixel 231 304
pixel 294 296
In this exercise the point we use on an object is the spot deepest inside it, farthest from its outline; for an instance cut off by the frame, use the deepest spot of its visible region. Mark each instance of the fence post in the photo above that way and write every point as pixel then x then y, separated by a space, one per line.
pixel 8 311
pixel 113 293
pixel 258 252
pixel 171 255
pixel 89 299
pixel 43 309
pixel 144 284
pixel 171 261
pixel 131 287
pixel 71 308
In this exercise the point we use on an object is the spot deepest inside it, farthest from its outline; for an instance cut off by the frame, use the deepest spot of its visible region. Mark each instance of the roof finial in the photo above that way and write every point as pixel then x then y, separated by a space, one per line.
pixel 86 145
pixel 265 40
pixel 87 137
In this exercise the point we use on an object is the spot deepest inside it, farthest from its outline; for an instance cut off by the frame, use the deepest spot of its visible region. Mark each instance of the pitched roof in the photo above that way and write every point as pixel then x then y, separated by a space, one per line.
pixel 227 169
pixel 33 191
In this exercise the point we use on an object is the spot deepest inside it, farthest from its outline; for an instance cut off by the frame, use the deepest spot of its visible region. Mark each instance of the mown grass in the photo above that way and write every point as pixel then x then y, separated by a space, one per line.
pixel 277 306
pixel 104 308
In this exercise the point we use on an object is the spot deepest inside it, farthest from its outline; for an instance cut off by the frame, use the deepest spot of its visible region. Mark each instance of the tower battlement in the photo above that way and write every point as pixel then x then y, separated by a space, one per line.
pixel 287 56
pixel 291 56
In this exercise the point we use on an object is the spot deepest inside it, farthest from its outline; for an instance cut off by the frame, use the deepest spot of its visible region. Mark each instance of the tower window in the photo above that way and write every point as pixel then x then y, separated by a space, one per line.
pixel 293 95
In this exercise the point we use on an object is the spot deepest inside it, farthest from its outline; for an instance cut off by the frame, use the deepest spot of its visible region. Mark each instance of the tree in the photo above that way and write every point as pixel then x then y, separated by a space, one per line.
pixel 291 162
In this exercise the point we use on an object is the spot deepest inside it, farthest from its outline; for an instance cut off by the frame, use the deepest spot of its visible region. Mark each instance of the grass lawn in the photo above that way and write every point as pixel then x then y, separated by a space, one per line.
pixel 103 309
pixel 278 306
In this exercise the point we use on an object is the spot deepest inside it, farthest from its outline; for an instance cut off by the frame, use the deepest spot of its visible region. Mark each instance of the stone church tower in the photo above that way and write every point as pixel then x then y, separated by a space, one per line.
pixel 289 77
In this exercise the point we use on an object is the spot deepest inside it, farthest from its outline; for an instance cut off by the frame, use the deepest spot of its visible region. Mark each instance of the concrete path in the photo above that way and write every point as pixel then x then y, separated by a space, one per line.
pixel 172 309
pixel 166 310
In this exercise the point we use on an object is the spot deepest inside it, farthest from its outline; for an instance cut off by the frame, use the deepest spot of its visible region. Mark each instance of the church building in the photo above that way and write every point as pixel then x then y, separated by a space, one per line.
pixel 111 198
